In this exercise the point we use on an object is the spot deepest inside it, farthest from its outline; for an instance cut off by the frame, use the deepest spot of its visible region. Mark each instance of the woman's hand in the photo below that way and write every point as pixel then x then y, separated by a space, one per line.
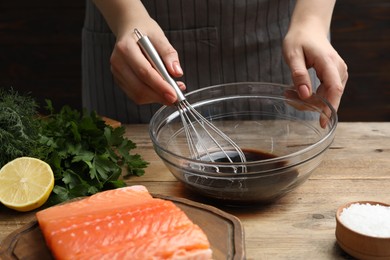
pixel 306 46
pixel 130 68
pixel 134 73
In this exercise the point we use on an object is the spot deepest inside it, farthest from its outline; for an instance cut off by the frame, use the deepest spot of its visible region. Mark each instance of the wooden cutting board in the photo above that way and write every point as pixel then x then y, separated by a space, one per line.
pixel 225 233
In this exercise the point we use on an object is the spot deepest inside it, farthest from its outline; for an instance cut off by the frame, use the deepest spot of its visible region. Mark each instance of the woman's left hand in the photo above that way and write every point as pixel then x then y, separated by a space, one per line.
pixel 307 47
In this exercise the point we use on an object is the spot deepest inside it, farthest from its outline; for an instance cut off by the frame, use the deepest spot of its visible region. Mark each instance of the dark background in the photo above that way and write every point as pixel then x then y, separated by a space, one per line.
pixel 40 53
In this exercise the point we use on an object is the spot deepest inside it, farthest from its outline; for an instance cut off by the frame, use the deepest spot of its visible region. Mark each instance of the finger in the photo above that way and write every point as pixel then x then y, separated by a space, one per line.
pixel 343 71
pixel 134 87
pixel 300 74
pixel 168 54
pixel 131 54
pixel 310 104
pixel 332 84
pixel 137 90
pixel 181 85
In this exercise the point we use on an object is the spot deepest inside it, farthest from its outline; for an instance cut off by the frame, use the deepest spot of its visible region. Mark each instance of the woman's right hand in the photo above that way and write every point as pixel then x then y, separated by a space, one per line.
pixel 131 69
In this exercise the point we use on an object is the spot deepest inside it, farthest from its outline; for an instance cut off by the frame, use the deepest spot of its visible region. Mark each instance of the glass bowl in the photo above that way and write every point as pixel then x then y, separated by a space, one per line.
pixel 286 136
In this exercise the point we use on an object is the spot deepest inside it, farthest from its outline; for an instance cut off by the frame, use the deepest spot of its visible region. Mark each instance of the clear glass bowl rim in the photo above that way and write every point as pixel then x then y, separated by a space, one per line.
pixel 266 161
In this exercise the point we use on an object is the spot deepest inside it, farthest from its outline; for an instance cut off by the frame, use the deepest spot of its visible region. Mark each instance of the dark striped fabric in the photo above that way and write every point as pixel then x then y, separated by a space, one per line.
pixel 218 41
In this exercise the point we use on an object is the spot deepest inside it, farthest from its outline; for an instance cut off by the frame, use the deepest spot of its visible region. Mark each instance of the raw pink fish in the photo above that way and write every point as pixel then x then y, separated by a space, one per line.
pixel 126 223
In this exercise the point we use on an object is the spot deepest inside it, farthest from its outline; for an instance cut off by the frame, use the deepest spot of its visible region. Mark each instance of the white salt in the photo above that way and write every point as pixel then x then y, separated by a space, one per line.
pixel 367 219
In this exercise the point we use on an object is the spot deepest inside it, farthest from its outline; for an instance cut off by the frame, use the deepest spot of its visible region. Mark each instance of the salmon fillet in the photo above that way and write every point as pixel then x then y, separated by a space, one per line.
pixel 125 223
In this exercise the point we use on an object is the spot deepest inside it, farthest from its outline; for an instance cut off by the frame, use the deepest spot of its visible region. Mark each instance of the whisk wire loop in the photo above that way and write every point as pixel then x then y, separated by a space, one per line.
pixel 203 138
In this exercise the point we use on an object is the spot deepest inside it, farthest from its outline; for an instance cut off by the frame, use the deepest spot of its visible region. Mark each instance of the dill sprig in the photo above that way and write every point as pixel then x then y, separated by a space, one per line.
pixel 19 128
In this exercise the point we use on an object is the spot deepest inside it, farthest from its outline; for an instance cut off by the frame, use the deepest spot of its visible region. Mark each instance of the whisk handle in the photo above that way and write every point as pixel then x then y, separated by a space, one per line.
pixel 155 59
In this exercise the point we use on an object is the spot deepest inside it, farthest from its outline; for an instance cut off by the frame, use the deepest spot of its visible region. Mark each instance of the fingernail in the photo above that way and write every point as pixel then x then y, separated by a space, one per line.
pixel 304 91
pixel 176 67
pixel 170 98
pixel 323 120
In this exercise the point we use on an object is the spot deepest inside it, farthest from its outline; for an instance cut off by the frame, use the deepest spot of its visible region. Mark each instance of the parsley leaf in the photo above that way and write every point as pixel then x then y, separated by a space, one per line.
pixel 86 155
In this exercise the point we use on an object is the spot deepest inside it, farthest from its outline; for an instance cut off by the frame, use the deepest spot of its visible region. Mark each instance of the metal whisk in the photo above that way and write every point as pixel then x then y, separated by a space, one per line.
pixel 205 141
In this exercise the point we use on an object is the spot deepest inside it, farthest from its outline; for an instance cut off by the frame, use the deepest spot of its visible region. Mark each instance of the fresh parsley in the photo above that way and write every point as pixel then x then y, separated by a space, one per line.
pixel 85 154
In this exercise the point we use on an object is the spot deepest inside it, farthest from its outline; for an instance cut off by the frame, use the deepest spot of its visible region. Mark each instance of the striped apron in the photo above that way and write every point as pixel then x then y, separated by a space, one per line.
pixel 218 41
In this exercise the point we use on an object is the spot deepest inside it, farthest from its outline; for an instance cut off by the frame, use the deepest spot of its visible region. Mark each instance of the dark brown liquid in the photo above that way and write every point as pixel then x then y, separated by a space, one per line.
pixel 258 182
pixel 250 155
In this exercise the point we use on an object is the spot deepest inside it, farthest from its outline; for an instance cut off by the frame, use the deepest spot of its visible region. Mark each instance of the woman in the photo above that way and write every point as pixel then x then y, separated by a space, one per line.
pixel 205 42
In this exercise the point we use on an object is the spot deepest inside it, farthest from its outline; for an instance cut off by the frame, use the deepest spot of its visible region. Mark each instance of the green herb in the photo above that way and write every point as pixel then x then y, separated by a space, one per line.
pixel 18 126
pixel 85 154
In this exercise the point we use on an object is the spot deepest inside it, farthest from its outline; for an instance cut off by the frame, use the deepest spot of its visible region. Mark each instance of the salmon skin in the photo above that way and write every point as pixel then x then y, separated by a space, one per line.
pixel 125 223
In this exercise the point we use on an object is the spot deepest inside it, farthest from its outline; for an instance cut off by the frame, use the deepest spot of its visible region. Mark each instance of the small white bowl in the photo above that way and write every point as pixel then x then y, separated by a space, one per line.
pixel 360 245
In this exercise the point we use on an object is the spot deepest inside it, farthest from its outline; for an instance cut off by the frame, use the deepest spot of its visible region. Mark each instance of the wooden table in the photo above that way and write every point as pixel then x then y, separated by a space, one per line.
pixel 300 225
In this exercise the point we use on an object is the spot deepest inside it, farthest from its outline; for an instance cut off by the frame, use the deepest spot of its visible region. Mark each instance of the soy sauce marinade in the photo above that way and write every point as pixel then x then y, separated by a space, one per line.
pixel 262 181
pixel 251 155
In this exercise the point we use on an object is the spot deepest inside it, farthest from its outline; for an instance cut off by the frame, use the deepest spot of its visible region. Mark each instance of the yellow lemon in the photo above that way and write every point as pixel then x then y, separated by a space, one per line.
pixel 25 183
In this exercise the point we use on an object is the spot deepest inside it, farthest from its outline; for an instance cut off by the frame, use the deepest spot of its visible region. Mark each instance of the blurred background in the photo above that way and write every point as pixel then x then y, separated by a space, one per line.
pixel 40 53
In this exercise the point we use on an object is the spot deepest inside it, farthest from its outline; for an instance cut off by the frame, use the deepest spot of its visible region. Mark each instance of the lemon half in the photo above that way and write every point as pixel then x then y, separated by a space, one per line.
pixel 25 183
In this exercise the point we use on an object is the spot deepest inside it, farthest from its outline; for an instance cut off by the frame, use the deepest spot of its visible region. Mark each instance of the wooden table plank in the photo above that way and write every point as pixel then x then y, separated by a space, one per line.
pixel 301 225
